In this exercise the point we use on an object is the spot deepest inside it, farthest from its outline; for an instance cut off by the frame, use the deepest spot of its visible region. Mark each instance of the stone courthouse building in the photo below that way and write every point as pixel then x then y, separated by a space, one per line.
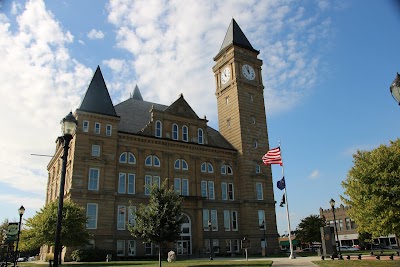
pixel 120 149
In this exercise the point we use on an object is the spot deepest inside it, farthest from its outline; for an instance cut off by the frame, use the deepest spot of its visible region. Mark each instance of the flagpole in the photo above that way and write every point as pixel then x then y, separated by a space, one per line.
pixel 292 256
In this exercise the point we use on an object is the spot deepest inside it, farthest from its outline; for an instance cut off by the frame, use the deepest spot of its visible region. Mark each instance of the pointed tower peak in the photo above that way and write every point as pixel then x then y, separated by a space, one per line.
pixel 97 99
pixel 235 36
pixel 136 94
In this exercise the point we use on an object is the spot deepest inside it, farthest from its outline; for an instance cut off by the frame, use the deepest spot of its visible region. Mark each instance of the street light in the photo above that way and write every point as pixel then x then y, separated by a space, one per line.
pixel 262 226
pixel 68 127
pixel 21 211
pixel 332 202
pixel 395 88
pixel 211 245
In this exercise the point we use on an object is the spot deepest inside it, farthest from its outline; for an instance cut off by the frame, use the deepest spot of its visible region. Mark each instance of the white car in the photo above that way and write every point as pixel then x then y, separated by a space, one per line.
pixel 348 248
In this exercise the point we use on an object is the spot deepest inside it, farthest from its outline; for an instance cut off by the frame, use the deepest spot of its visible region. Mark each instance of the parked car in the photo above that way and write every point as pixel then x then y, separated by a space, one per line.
pixel 348 248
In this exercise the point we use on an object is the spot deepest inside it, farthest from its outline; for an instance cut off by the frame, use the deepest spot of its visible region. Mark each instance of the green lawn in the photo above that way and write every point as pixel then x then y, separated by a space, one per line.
pixel 182 263
pixel 363 263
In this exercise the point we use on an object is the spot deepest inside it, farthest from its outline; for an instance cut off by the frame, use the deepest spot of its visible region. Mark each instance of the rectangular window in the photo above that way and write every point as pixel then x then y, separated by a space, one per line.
pixel 185 187
pixel 348 224
pixel 148 248
pixel 93 179
pixel 340 225
pixel 85 127
pixel 206 218
pixel 204 188
pixel 214 220
pixel 230 191
pixel 224 187
pixel 207 245
pixel 95 150
pixel 259 191
pixel 91 214
pixel 149 181
pixel 228 245
pixel 177 185
pixel 211 194
pixel 122 183
pixel 121 217
pixel 215 245
pixel 227 220
pixel 97 128
pixel 131 183
pixel 235 245
pixel 181 186
pixel 234 217
pixel 131 247
pixel 108 129
pixel 131 215
pixel 120 247
pixel 261 219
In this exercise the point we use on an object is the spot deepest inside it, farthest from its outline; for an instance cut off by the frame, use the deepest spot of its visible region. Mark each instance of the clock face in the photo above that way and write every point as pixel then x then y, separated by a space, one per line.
pixel 225 75
pixel 248 72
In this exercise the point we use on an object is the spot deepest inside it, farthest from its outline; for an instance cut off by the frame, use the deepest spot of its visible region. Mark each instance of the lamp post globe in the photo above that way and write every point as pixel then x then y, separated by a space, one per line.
pixel 332 202
pixel 21 212
pixel 68 128
pixel 211 244
pixel 395 88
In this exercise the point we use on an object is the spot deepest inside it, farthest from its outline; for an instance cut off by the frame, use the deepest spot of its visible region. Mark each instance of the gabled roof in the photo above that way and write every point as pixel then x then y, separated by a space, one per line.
pixel 235 36
pixel 181 108
pixel 97 99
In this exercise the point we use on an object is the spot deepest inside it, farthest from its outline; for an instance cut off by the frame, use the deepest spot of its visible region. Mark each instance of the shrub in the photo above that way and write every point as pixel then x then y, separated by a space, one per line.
pixel 88 255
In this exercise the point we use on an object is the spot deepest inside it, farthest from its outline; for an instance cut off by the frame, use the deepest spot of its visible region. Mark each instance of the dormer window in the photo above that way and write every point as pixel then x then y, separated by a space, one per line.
pixel 175 132
pixel 185 133
pixel 158 131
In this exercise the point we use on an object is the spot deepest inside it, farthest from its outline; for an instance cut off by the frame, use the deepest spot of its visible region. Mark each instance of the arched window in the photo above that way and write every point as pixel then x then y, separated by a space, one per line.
pixel 175 132
pixel 185 133
pixel 181 164
pixel 122 157
pixel 152 160
pixel 226 169
pixel 200 135
pixel 158 132
pixel 207 167
pixel 131 158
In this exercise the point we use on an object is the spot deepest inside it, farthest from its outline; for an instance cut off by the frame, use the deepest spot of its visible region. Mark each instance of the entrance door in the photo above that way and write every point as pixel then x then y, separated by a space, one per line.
pixel 183 247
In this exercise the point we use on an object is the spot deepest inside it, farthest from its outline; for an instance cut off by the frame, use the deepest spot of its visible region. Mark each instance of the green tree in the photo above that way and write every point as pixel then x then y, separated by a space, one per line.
pixel 3 231
pixel 40 229
pixel 372 187
pixel 308 230
pixel 160 220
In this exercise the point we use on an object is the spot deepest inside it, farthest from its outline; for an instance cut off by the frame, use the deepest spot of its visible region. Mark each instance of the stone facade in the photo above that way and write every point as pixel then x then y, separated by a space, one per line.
pixel 118 150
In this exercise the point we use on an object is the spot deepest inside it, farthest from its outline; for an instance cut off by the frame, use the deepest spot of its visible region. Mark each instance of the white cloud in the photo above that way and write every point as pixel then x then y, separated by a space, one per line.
pixel 95 34
pixel 314 175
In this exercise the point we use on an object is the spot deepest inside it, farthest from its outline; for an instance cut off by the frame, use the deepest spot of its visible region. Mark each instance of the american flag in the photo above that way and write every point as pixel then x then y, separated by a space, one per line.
pixel 273 156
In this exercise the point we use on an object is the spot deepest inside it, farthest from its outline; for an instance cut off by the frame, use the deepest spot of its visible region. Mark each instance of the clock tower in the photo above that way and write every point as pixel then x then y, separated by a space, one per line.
pixel 242 121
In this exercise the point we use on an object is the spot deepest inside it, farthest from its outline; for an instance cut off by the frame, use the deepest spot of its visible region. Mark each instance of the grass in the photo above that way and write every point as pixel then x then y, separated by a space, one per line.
pixel 181 263
pixel 363 263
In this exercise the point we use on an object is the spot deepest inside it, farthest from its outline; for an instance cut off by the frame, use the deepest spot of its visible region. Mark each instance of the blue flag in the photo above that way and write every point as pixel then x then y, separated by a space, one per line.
pixel 281 183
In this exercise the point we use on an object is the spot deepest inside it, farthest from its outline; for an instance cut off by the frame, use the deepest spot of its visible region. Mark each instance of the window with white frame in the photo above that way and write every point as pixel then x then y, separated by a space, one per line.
pixel 232 245
pixel 181 164
pixel 123 157
pixel 149 182
pixel 215 245
pixel 91 215
pixel 206 218
pixel 131 215
pixel 261 219
pixel 152 160
pixel 259 191
pixel 185 134
pixel 85 127
pixel 97 126
pixel 95 150
pixel 131 247
pixel 224 193
pixel 108 129
pixel 210 216
pixel 175 131
pixel 131 158
pixel 235 243
pixel 226 169
pixel 231 193
pixel 94 175
pixel 200 136
pixel 207 189
pixel 131 183
pixel 227 220
pixel 204 188
pixel 258 168
pixel 121 217
pixel 148 248
pixel 158 131
pixel 122 183
pixel 181 186
pixel 126 183
pixel 120 247
pixel 234 219
pixel 207 167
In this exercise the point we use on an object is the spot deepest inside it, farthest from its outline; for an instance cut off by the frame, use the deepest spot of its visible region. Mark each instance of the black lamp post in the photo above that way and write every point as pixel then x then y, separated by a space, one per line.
pixel 68 127
pixel 395 88
pixel 332 202
pixel 21 211
pixel 211 244
pixel 262 226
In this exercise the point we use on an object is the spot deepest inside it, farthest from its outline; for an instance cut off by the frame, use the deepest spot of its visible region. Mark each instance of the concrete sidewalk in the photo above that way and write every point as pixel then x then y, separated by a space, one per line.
pixel 299 261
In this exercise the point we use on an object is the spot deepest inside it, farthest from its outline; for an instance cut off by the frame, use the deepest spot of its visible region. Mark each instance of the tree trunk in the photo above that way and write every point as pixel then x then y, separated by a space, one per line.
pixel 159 254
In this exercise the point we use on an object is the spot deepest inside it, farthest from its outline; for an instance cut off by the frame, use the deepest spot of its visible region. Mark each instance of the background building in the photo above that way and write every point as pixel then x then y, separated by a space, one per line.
pixel 119 150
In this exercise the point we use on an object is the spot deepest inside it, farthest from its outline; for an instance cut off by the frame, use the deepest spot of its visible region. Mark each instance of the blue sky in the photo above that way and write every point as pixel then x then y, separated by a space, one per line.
pixel 327 68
